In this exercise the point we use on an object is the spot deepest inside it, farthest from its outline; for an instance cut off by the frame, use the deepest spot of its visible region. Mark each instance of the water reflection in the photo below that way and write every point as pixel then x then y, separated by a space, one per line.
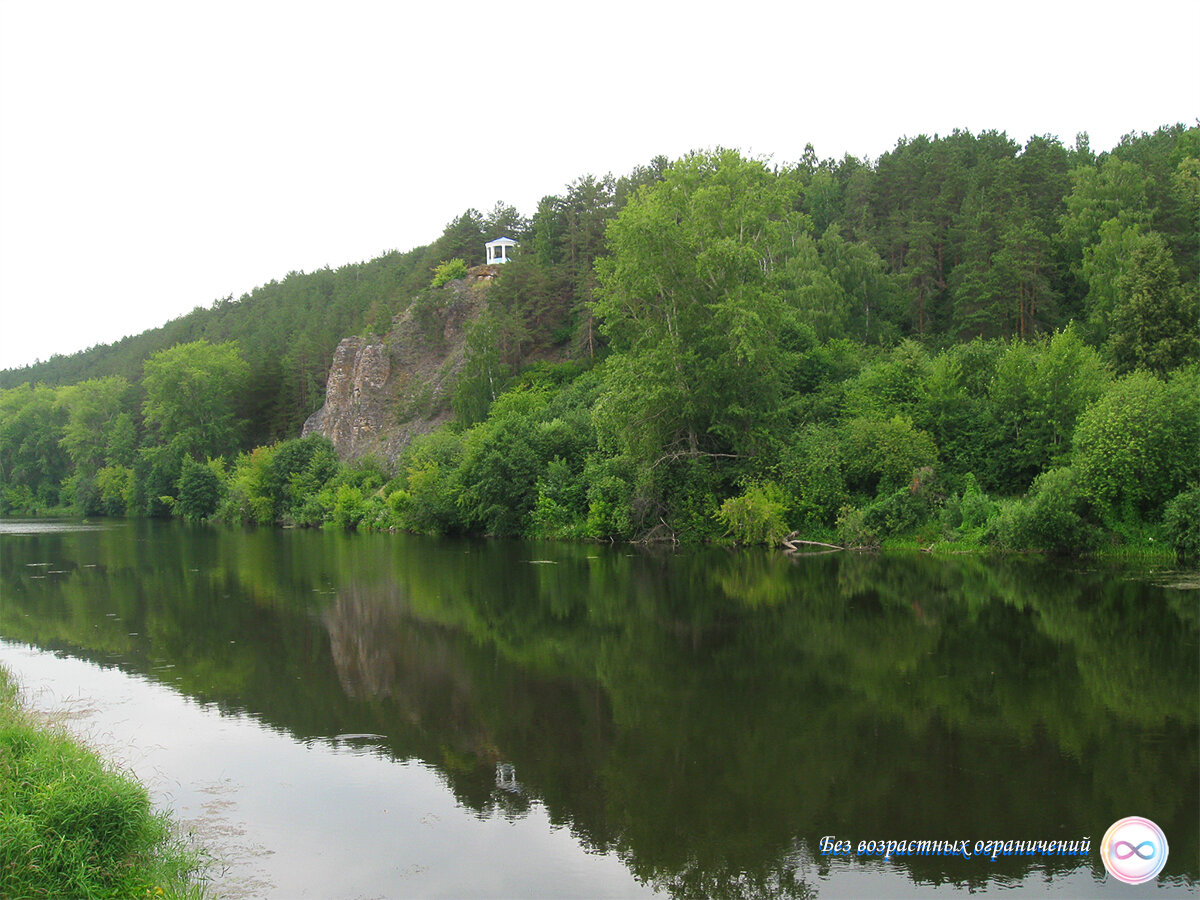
pixel 708 716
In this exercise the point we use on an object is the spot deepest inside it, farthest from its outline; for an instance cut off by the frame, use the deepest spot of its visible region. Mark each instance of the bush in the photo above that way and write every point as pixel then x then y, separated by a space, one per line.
pixel 880 454
pixel 902 512
pixel 199 490
pixel 1051 517
pixel 116 489
pixel 756 516
pixel 1135 448
pixel 561 510
pixel 448 271
pixel 609 494
pixel 249 498
pixel 1181 521
pixel 969 512
pixel 348 508
pixel 812 475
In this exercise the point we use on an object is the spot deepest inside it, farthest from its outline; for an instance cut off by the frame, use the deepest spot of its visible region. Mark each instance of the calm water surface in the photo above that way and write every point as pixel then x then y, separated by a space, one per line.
pixel 389 716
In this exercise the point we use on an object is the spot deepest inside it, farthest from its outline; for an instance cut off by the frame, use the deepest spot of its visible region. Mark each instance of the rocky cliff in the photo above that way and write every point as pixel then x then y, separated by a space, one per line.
pixel 384 391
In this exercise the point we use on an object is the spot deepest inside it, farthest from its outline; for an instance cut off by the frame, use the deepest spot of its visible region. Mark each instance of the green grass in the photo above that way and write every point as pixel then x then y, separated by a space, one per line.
pixel 71 825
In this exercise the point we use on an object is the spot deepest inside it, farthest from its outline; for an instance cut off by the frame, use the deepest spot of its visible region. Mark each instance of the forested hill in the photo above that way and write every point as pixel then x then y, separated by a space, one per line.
pixel 287 330
pixel 875 349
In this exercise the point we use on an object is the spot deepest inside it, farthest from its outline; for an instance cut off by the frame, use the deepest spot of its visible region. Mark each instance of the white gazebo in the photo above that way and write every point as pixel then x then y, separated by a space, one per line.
pixel 497 250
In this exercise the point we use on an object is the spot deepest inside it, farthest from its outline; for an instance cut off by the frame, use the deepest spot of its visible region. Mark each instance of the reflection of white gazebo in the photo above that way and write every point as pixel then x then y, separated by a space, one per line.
pixel 497 250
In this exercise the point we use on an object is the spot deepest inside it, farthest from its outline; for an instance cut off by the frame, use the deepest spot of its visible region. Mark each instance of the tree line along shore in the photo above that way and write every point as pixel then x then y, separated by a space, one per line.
pixel 967 342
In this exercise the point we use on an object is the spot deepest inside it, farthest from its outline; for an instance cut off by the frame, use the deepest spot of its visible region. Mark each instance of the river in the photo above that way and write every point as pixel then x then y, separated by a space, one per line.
pixel 341 715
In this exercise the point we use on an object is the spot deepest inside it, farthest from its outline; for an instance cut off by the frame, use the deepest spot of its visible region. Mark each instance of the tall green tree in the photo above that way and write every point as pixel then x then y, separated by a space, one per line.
pixel 32 460
pixel 1154 324
pixel 192 393
pixel 93 434
pixel 690 300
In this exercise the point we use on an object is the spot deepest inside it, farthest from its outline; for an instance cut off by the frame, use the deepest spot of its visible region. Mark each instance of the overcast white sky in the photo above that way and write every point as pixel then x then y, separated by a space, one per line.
pixel 157 156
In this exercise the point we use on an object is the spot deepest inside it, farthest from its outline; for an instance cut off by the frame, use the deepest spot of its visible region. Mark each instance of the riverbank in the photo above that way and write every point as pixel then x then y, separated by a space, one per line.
pixel 76 826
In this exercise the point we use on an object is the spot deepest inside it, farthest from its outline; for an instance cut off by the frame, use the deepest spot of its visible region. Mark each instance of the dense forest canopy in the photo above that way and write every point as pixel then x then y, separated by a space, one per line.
pixel 966 339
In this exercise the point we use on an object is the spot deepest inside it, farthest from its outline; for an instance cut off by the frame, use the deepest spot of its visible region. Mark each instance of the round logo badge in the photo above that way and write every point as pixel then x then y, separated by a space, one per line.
pixel 1134 850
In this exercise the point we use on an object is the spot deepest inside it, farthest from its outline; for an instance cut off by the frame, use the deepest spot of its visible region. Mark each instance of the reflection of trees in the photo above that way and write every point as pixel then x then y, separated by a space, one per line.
pixel 699 713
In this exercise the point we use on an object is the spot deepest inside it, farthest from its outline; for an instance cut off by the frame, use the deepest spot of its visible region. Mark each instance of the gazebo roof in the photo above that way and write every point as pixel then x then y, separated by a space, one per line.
pixel 501 242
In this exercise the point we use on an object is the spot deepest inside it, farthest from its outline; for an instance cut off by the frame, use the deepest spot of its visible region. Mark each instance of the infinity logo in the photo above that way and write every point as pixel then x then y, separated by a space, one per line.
pixel 1132 850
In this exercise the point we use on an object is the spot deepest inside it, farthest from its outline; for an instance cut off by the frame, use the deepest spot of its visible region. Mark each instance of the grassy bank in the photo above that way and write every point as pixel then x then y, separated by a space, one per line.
pixel 72 825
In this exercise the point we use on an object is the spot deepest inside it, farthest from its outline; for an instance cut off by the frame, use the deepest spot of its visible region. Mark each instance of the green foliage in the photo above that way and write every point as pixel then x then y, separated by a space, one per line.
pixel 32 460
pixel 609 481
pixel 1181 521
pixel 893 383
pixel 756 516
pixel 428 501
pixel 348 507
pixel 72 825
pixel 484 376
pixel 448 271
pixel 199 490
pixel 906 511
pixel 98 425
pixel 503 459
pixel 966 516
pixel 561 509
pixel 811 473
pixel 1052 517
pixel 956 408
pixel 191 396
pixel 689 298
pixel 1156 320
pixel 249 498
pixel 1136 447
pixel 1035 397
pixel 116 487
pixel 156 478
pixel 879 455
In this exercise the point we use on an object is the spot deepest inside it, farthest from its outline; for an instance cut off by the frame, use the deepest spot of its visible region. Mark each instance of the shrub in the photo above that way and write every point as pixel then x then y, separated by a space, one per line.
pixel 1181 520
pixel 1051 517
pixel 968 512
pixel 609 493
pixel 1136 447
pixel 116 489
pixel 901 512
pixel 880 454
pixel 812 475
pixel 429 503
pixel 249 498
pixel 448 271
pixel 199 490
pixel 756 516
pixel 348 509
pixel 560 511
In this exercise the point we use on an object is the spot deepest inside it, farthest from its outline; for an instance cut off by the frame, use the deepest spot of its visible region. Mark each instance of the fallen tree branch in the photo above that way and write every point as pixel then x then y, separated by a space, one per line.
pixel 791 542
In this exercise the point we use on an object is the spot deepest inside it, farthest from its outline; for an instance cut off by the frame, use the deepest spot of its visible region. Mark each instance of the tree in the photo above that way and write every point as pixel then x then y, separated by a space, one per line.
pixel 32 460
pixel 463 238
pixel 1154 324
pixel 690 300
pixel 192 392
pixel 95 425
pixel 1136 447
pixel 1104 264
pixel 199 490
